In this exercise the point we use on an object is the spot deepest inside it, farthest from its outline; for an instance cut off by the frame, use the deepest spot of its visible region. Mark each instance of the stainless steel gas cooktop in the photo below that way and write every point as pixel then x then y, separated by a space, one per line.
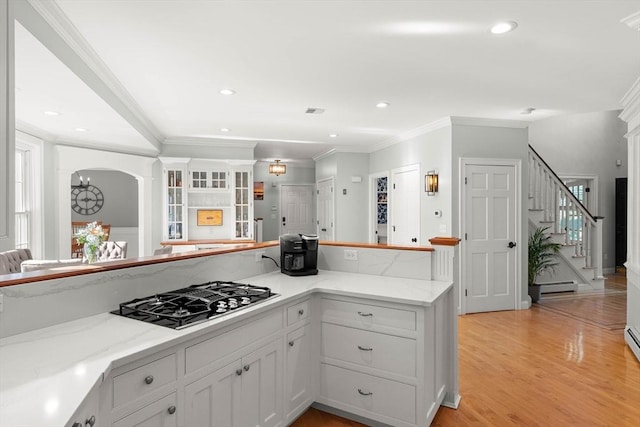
pixel 195 304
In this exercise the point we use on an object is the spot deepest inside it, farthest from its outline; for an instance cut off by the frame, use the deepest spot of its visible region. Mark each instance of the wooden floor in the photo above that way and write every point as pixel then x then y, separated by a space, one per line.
pixel 539 367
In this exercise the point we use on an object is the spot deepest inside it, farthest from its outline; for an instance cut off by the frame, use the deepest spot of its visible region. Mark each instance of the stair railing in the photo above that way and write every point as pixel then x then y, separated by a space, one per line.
pixel 565 213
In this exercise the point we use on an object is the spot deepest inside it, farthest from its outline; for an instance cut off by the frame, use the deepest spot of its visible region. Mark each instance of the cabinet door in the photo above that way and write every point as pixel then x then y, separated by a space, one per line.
pixel 262 386
pixel 161 413
pixel 175 227
pixel 214 400
pixel 243 205
pixel 298 371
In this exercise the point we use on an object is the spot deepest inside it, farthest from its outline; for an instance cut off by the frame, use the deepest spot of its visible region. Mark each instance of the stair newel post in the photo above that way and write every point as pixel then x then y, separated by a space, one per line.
pixel 597 248
pixel 556 207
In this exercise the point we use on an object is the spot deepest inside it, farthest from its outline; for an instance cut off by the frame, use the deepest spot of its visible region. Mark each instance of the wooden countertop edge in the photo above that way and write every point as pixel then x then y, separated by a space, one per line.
pixel 234 246
pixel 445 241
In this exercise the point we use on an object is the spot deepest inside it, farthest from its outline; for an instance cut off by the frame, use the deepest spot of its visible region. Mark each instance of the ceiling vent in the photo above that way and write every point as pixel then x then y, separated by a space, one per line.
pixel 315 110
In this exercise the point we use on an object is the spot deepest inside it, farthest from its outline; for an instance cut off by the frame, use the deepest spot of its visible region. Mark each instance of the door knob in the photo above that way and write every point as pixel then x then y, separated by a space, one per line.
pixel 414 240
pixel 512 244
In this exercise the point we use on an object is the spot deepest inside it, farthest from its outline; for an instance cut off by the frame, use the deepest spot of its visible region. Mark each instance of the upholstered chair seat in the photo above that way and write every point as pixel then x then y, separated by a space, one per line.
pixel 163 250
pixel 110 250
pixel 10 260
pixel 45 264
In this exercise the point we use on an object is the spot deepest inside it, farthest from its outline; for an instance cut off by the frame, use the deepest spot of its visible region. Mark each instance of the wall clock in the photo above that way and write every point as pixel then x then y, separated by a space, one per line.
pixel 86 200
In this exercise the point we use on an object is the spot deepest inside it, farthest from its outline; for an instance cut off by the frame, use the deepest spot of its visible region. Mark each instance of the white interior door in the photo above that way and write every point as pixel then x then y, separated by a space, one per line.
pixel 325 209
pixel 404 203
pixel 296 209
pixel 490 217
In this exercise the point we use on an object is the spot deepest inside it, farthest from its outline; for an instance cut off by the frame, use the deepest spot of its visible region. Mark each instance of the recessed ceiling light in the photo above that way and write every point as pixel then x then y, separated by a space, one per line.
pixel 333 135
pixel 227 91
pixel 81 130
pixel 382 104
pixel 224 129
pixel 528 110
pixel 51 113
pixel 503 27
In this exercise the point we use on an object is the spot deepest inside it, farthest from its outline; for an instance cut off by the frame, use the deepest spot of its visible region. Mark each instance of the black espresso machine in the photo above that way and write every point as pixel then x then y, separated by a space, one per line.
pixel 299 254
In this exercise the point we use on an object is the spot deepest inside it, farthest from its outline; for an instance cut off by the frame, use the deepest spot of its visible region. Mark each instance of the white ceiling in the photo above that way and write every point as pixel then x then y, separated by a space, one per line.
pixel 428 59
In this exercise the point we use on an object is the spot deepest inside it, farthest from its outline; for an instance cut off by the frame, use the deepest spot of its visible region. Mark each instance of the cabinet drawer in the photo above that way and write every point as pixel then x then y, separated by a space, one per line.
pixel 372 349
pixel 213 349
pixel 133 384
pixel 298 312
pixel 367 316
pixel 376 395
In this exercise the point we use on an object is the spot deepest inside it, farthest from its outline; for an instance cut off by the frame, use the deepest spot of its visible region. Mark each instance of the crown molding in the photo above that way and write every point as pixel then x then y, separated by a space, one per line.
pixel 498 123
pixel 632 21
pixel 34 131
pixel 324 155
pixel 631 102
pixel 87 65
pixel 106 147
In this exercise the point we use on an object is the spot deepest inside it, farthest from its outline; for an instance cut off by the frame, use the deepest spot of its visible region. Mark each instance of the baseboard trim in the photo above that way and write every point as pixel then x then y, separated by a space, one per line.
pixel 632 337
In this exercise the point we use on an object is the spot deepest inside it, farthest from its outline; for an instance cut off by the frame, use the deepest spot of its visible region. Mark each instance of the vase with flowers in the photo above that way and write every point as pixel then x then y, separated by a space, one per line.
pixel 90 237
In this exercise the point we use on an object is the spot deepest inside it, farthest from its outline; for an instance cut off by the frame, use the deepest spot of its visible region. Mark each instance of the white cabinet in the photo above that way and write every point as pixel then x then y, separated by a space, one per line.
pixel 299 393
pixel 174 224
pixel 243 195
pixel 244 393
pixel 161 413
pixel 374 361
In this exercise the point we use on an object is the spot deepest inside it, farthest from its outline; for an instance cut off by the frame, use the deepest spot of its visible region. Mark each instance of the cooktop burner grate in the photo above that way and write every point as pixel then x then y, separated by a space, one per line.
pixel 197 303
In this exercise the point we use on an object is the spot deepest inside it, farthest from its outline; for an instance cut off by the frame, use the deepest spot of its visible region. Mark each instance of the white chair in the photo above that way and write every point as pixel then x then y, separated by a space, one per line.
pixel 163 250
pixel 112 250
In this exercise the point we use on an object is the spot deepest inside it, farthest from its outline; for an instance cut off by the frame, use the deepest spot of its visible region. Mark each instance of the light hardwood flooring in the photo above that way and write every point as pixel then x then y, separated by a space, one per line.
pixel 540 367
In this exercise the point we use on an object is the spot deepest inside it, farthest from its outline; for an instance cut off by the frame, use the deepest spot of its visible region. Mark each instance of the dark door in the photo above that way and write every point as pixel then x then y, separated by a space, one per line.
pixel 621 221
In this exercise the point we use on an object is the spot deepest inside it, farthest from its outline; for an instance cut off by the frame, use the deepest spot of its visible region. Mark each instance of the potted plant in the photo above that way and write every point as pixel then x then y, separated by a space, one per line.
pixel 542 253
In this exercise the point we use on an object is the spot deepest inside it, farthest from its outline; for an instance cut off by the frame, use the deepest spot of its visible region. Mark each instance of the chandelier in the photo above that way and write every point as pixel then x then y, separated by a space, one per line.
pixel 277 168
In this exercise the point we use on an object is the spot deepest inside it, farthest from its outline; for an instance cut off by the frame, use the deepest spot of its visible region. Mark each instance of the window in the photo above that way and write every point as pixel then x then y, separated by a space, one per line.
pixel 28 198
pixel 22 197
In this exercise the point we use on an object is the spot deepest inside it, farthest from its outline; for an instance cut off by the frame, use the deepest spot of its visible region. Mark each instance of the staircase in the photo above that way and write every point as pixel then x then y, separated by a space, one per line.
pixel 553 205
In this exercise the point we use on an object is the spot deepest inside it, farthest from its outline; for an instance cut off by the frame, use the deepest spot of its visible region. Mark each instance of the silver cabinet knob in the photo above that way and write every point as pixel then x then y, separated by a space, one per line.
pixel 365 348
pixel 247 367
pixel 291 343
pixel 238 371
pixel 171 410
pixel 148 379
pixel 365 393
pixel 300 312
pixel 90 421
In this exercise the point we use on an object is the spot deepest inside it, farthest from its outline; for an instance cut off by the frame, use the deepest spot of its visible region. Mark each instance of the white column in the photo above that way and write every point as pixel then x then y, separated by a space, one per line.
pixel 7 127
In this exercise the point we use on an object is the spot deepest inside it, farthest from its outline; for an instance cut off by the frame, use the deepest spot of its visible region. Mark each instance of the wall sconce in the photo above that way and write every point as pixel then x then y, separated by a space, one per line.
pixel 277 168
pixel 431 183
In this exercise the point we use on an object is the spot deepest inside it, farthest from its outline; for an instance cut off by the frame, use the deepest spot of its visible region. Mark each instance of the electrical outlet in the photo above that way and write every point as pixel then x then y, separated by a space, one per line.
pixel 1 303
pixel 259 256
pixel 351 254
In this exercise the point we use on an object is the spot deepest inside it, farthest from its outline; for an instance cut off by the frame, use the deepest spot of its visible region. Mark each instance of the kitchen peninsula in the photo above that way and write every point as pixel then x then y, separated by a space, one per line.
pixel 291 349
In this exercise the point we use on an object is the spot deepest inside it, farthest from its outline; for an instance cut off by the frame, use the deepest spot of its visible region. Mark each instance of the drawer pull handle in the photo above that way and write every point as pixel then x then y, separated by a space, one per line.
pixel 291 343
pixel 149 379
pixel 90 421
pixel 365 348
pixel 171 410
pixel 238 371
pixel 247 367
pixel 365 314
pixel 300 312
pixel 365 393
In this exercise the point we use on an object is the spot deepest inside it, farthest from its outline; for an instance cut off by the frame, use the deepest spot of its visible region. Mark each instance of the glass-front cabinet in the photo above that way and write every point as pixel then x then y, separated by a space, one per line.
pixel 243 187
pixel 175 201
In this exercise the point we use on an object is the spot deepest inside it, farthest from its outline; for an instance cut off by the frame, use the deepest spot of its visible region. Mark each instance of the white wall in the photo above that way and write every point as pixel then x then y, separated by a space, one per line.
pixel 587 144
pixel 351 210
pixel 7 132
pixel 433 152
pixel 120 192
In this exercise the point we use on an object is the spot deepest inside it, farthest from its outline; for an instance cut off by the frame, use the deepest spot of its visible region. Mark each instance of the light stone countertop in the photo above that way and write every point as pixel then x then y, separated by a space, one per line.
pixel 45 374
